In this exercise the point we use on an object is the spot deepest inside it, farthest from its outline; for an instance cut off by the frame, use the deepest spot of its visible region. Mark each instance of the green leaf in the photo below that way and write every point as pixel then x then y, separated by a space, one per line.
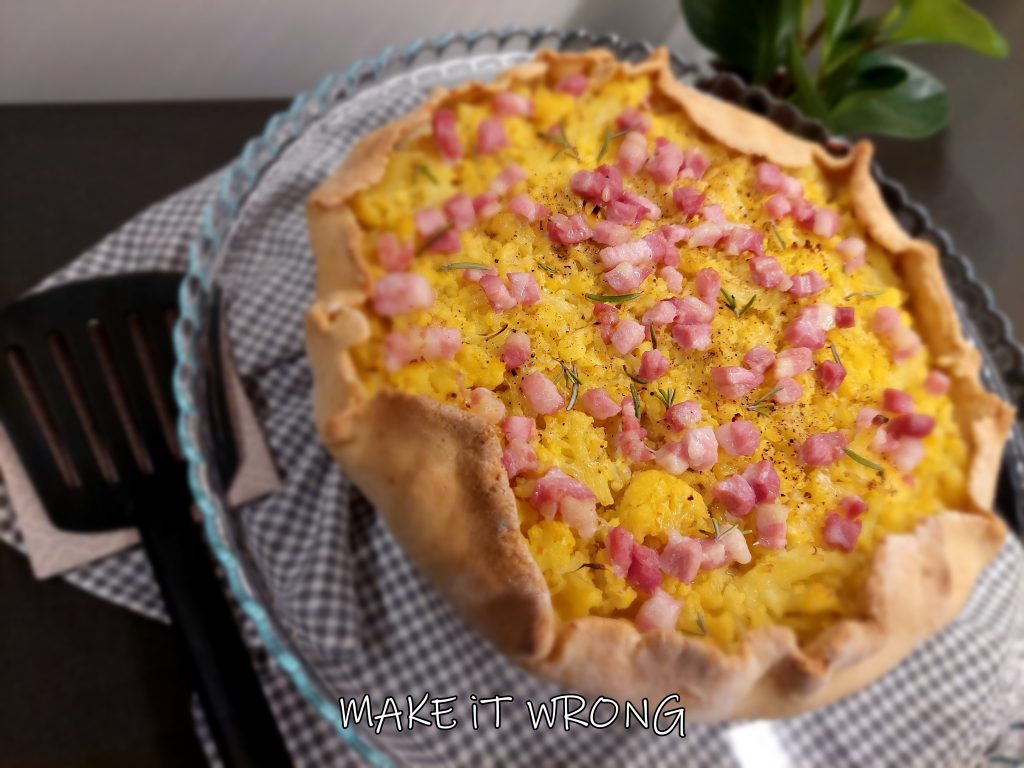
pixel 875 71
pixel 946 21
pixel 915 108
pixel 807 96
pixel 838 15
pixel 752 35
pixel 851 44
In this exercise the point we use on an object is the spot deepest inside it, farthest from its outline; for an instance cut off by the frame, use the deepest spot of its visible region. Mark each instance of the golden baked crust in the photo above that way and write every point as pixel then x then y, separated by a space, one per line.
pixel 444 494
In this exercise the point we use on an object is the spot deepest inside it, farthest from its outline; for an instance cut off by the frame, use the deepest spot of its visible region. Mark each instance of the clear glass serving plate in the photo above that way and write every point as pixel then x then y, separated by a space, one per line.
pixel 303 144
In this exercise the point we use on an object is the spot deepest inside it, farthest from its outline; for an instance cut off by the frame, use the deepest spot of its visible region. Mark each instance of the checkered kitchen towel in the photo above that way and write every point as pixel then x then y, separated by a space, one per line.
pixel 367 622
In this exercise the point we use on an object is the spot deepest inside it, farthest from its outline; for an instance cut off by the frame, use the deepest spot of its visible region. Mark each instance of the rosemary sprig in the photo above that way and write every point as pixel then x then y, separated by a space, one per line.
pixel 636 399
pixel 609 137
pixel 634 377
pixel 700 626
pixel 866 462
pixel 497 332
pixel 560 140
pixel 778 236
pixel 865 294
pixel 654 337
pixel 835 354
pixel 747 306
pixel 611 298
pixel 425 245
pixel 730 300
pixel 421 170
pixel 667 396
pixel 573 376
pixel 731 303
pixel 548 268
pixel 462 265
pixel 762 404
pixel 592 566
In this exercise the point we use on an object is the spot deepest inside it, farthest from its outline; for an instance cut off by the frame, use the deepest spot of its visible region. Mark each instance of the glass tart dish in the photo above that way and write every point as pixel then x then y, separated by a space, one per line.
pixel 659 395
pixel 335 599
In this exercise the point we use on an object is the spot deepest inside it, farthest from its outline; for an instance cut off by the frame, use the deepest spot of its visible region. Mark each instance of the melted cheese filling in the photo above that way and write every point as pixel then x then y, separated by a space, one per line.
pixel 806 586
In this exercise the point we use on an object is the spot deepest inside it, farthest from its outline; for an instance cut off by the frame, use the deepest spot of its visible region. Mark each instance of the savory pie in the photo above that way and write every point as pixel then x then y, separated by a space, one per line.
pixel 660 396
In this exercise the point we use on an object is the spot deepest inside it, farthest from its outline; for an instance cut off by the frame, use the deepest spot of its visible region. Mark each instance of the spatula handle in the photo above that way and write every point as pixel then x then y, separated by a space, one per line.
pixel 240 719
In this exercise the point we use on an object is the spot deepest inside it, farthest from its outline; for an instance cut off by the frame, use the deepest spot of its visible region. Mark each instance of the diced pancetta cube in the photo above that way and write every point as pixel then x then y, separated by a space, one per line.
pixel 610 233
pixel 446 134
pixel 789 391
pixel 659 612
pixel 664 165
pixel 497 292
pixel 508 104
pixel 524 288
pixel 700 448
pixel 767 272
pixel 709 284
pixel 777 206
pixel 681 557
pixel 566 230
pixel 673 278
pixel 759 359
pixel 512 174
pixel 599 404
pixel 519 428
pixel 803 332
pixel 936 383
pixel 841 532
pixel 853 251
pixel 401 292
pixel 542 394
pixel 734 382
pixel 738 437
pixel 632 153
pixel 688 199
pixel 679 416
pixel 653 365
pixel 763 480
pixel 627 277
pixel 809 283
pixel 770 520
pixel 575 84
pixel 735 494
pixel 822 449
pixel 793 361
pixel 559 495
pixel 911 425
pixel 897 401
pixel 627 336
pixel 633 119
pixel 831 375
pixel 486 405
pixel 515 352
pixel 527 207
pixel 692 335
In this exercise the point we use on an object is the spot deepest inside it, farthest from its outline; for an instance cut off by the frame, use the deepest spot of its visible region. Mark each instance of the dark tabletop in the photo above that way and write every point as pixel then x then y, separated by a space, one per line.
pixel 85 683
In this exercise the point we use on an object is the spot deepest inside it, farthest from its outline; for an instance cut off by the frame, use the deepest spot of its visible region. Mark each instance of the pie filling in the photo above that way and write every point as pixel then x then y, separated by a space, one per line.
pixel 710 396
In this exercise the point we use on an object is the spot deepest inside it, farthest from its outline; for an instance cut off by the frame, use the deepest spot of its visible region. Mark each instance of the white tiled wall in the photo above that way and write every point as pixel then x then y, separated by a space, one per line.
pixel 103 50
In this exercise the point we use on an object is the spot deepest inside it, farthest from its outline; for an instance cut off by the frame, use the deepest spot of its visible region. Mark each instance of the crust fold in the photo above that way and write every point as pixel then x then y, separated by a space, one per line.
pixel 434 472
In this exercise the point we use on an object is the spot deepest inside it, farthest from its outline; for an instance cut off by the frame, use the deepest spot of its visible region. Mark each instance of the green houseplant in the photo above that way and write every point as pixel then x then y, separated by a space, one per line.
pixel 836 63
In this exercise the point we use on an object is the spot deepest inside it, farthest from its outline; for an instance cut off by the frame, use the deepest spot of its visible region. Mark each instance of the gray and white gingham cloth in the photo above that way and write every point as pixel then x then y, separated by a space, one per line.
pixel 368 623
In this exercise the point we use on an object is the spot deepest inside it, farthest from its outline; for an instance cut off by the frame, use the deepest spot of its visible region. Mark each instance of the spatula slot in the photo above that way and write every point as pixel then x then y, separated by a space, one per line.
pixel 98 335
pixel 163 409
pixel 97 444
pixel 32 394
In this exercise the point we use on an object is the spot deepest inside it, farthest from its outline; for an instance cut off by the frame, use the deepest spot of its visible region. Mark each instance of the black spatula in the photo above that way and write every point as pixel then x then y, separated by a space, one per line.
pixel 85 396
